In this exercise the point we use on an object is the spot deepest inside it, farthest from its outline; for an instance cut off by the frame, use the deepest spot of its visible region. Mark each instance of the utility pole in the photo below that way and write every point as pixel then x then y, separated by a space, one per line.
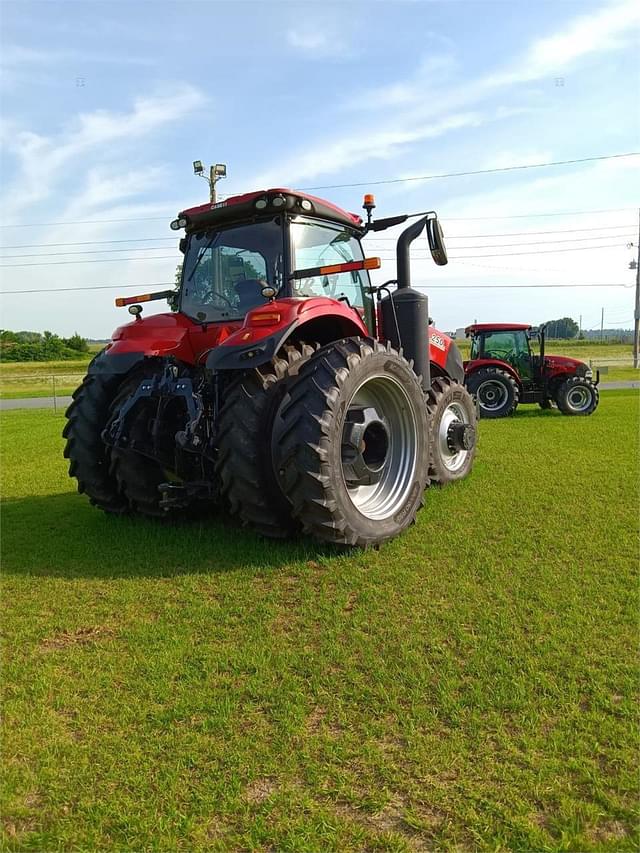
pixel 636 313
pixel 601 325
pixel 580 329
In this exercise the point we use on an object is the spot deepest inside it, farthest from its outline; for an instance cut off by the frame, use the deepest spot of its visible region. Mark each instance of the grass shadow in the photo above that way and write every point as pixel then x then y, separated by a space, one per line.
pixel 61 535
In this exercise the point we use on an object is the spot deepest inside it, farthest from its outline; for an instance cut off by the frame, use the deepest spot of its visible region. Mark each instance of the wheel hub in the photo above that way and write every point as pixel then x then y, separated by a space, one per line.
pixel 492 395
pixel 365 445
pixel 460 436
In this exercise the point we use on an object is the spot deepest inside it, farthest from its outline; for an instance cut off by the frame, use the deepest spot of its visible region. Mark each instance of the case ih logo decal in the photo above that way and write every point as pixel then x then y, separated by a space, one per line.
pixel 437 341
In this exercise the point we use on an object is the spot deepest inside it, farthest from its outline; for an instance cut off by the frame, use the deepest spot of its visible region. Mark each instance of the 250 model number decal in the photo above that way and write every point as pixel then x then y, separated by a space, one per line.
pixel 437 341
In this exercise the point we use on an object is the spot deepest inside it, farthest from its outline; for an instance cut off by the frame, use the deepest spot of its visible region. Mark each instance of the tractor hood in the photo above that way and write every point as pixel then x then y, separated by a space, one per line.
pixel 562 361
pixel 565 364
pixel 168 334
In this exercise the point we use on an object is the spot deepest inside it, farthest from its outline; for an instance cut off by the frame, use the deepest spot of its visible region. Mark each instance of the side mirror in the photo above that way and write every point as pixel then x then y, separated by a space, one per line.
pixel 436 242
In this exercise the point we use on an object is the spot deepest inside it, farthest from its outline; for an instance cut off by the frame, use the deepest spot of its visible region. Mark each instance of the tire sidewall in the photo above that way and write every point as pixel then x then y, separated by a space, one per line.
pixel 384 365
pixel 565 390
pixel 476 380
pixel 454 393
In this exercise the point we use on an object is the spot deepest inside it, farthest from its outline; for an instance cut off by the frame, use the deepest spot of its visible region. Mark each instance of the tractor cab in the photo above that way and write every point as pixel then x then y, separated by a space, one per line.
pixel 504 369
pixel 235 263
pixel 509 344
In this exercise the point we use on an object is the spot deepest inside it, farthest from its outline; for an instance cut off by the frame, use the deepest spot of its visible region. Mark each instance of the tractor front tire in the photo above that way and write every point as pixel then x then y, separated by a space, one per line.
pixel 577 396
pixel 496 391
pixel 350 444
pixel 452 431
pixel 244 465
pixel 89 457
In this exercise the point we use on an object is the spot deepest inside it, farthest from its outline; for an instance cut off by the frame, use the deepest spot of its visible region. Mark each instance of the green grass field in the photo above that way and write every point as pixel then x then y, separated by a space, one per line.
pixel 33 379
pixel 470 686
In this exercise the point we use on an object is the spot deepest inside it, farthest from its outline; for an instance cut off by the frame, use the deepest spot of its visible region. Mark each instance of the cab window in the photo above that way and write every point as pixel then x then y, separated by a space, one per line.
pixel 314 245
pixel 507 346
pixel 225 271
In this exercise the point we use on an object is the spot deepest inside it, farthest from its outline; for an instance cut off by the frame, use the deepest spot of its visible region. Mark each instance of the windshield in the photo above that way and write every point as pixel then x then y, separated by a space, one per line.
pixel 224 271
pixel 317 244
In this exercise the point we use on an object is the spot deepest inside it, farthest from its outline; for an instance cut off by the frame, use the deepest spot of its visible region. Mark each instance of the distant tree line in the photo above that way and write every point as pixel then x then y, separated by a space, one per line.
pixel 36 346
pixel 565 328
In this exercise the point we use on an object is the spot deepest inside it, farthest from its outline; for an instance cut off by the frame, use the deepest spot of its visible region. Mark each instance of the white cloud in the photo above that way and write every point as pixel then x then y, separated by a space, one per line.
pixel 316 37
pixel 350 150
pixel 44 160
pixel 427 104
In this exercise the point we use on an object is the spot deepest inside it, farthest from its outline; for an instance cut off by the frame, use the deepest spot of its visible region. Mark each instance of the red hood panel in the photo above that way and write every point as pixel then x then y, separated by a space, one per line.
pixel 561 361
pixel 169 334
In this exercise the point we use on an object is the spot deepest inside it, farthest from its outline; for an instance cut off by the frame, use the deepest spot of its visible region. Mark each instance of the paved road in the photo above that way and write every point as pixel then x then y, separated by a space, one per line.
pixel 62 402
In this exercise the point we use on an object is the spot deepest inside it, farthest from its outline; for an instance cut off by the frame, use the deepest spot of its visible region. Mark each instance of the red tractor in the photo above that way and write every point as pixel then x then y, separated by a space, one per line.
pixel 503 371
pixel 276 387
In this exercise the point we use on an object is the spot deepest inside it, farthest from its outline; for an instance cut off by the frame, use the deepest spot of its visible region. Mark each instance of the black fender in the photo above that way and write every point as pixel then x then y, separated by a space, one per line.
pixel 106 364
pixel 243 356
pixel 454 366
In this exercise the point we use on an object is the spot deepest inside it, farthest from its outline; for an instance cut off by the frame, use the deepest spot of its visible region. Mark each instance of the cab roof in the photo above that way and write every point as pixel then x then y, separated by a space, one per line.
pixel 243 206
pixel 496 327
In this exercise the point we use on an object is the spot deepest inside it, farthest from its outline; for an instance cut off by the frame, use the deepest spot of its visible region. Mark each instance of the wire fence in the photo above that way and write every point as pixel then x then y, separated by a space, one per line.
pixel 54 389
pixel 51 388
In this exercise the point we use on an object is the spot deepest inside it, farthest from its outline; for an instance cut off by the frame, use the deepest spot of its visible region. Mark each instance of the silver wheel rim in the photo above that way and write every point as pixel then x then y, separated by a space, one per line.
pixel 453 460
pixel 492 395
pixel 579 398
pixel 392 438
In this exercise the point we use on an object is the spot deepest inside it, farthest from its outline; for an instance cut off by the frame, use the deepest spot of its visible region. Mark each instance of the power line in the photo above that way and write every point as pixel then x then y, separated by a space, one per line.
pixel 104 242
pixel 430 286
pixel 88 222
pixel 509 286
pixel 388 257
pixel 93 261
pixel 155 248
pixel 474 172
pixel 444 217
pixel 89 252
pixel 392 239
pixel 91 287
pixel 497 245
pixel 506 234
pixel 448 218
pixel 512 254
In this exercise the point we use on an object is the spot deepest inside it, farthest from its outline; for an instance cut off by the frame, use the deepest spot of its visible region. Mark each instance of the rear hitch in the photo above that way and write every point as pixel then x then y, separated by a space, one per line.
pixel 157 387
pixel 181 496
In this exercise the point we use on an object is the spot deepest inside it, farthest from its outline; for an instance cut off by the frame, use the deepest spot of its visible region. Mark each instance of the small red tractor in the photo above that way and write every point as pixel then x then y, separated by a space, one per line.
pixel 503 371
pixel 276 388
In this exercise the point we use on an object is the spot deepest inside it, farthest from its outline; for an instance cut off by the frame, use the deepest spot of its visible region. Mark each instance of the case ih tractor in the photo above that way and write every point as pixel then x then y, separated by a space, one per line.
pixel 276 388
pixel 503 371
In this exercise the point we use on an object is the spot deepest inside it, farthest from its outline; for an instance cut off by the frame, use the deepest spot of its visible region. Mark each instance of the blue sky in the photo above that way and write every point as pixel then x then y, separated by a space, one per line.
pixel 105 105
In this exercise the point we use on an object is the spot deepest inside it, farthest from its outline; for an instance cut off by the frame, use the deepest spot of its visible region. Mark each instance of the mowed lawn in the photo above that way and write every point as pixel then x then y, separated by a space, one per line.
pixel 469 686
pixel 44 378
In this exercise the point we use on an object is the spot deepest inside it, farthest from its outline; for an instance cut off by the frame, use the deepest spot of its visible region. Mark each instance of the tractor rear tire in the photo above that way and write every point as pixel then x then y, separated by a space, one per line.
pixel 139 477
pixel 577 396
pixel 244 465
pixel 452 431
pixel 89 457
pixel 350 443
pixel 496 390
